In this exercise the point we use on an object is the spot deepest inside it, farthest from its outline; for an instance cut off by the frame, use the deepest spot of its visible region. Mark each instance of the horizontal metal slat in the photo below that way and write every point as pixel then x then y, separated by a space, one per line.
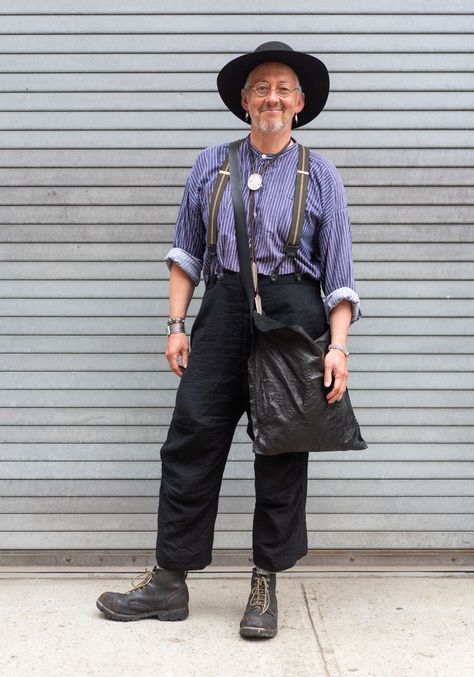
pixel 140 540
pixel 227 7
pixel 347 156
pixel 176 139
pixel 176 176
pixel 174 101
pixel 78 326
pixel 321 488
pixel 177 23
pixel 236 470
pixel 151 307
pixel 238 452
pixel 371 251
pixel 195 62
pixel 166 214
pixel 239 522
pixel 129 362
pixel 378 505
pixel 171 195
pixel 204 120
pixel 152 346
pixel 241 42
pixel 387 232
pixel 396 271
pixel 158 289
pixel 143 380
pixel 20 407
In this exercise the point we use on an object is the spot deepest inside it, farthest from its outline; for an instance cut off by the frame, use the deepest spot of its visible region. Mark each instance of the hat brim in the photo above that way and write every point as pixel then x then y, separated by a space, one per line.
pixel 311 72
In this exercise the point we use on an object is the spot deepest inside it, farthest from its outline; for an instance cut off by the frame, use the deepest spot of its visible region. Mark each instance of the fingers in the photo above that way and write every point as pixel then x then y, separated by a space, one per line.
pixel 338 390
pixel 184 357
pixel 177 353
pixel 327 371
pixel 335 372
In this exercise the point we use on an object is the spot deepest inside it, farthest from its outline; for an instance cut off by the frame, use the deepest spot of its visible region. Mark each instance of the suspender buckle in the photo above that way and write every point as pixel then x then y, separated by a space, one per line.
pixel 291 249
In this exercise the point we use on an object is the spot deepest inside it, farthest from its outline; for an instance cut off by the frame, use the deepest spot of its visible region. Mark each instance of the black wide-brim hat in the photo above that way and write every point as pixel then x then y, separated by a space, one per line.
pixel 311 72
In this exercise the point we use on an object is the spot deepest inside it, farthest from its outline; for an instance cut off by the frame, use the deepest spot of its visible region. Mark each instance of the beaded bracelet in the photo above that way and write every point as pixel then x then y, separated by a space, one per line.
pixel 339 346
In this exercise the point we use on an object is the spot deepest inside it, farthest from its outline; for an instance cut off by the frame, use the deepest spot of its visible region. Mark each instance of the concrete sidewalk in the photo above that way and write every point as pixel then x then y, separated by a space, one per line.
pixel 330 625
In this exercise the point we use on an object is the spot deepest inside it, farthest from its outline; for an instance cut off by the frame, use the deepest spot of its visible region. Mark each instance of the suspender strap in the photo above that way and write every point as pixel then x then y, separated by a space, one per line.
pixel 301 189
pixel 219 187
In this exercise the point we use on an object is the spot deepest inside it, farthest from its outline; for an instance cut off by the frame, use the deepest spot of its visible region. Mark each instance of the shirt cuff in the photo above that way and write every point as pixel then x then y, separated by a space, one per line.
pixel 188 263
pixel 343 294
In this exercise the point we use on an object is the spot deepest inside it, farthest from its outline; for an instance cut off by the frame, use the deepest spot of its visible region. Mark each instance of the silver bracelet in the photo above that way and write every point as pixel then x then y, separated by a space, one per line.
pixel 339 346
pixel 175 328
pixel 175 320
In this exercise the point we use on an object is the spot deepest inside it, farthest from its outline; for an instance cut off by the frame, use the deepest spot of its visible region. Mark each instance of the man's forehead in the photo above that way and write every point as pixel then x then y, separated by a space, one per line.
pixel 274 69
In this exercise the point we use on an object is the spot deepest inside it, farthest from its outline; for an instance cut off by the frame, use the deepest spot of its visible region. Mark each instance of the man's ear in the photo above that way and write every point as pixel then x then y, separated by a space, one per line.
pixel 300 104
pixel 244 99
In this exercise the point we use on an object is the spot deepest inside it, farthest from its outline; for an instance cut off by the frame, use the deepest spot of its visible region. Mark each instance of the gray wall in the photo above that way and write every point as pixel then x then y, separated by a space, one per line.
pixel 101 116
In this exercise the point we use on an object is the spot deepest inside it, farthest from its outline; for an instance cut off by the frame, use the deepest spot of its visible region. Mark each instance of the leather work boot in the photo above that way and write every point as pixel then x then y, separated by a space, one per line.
pixel 261 615
pixel 160 594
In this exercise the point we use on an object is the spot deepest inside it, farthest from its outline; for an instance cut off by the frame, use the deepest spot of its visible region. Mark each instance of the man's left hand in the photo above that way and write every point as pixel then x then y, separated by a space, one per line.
pixel 335 365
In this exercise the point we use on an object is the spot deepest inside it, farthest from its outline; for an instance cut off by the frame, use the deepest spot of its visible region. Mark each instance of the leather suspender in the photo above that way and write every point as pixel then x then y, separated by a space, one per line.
pixel 219 187
pixel 301 189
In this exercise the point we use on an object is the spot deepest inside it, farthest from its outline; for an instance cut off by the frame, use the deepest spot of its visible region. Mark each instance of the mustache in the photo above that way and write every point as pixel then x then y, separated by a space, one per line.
pixel 264 108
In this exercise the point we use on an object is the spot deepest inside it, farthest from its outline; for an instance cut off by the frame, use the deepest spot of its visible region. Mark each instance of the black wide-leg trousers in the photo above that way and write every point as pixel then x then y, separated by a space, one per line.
pixel 211 398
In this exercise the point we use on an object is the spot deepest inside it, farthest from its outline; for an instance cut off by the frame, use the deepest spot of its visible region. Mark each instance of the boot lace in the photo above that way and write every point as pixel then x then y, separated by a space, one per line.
pixel 260 594
pixel 141 580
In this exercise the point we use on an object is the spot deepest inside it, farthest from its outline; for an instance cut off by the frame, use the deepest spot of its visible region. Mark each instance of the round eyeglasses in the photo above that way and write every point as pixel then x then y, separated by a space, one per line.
pixel 264 89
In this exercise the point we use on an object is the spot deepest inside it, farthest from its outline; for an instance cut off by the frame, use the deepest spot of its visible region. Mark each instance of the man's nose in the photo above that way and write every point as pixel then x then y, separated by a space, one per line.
pixel 273 95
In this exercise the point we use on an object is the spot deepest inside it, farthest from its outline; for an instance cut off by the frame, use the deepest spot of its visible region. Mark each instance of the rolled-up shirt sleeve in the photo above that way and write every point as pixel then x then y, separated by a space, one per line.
pixel 189 240
pixel 335 249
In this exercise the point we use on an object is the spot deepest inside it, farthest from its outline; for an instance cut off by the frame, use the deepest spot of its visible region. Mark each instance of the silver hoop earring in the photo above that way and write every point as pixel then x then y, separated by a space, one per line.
pixel 247 116
pixel 296 118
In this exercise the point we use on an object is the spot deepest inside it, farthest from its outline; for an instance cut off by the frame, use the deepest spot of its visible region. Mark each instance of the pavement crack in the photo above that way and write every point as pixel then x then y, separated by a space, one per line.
pixel 326 650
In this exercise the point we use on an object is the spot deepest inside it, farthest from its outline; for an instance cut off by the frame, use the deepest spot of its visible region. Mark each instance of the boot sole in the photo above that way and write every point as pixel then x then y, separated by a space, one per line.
pixel 161 615
pixel 259 633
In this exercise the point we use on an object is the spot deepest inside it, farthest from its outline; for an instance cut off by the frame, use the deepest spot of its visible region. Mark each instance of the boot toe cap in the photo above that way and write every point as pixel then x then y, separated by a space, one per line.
pixel 111 602
pixel 258 625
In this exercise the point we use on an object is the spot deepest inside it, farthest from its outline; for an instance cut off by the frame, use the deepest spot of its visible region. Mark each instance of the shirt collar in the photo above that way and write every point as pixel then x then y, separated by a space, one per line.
pixel 267 156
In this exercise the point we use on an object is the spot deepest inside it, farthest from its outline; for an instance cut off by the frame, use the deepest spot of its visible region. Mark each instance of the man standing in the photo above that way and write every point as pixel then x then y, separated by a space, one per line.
pixel 275 89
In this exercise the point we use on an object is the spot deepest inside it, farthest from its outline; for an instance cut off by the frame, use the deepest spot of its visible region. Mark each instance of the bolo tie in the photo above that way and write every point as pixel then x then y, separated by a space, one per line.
pixel 254 183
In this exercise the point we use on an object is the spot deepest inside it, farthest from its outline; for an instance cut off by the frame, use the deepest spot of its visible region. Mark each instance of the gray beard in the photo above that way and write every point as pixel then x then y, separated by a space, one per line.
pixel 270 126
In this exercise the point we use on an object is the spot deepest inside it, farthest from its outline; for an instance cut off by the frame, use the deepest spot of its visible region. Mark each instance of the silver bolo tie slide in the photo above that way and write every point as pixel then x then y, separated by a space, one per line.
pixel 254 181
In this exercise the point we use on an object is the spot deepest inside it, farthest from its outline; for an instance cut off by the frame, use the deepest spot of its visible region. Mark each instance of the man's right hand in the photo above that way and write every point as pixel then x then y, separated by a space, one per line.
pixel 177 351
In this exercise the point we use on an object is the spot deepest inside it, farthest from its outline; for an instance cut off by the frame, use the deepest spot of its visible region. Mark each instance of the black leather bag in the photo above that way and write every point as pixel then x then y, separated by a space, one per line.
pixel 289 410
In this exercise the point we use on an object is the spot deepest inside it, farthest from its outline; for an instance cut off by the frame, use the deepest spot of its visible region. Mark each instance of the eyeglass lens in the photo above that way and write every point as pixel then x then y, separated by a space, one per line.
pixel 263 89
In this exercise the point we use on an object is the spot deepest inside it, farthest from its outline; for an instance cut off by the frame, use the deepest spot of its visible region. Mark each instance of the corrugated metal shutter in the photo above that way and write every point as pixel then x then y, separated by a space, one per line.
pixel 101 116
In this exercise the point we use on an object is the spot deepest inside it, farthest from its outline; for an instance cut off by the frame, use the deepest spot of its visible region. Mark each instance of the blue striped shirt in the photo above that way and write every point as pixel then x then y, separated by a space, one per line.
pixel 325 252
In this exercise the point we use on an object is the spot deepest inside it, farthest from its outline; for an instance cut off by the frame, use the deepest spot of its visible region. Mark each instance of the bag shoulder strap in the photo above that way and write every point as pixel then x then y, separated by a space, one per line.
pixel 241 224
